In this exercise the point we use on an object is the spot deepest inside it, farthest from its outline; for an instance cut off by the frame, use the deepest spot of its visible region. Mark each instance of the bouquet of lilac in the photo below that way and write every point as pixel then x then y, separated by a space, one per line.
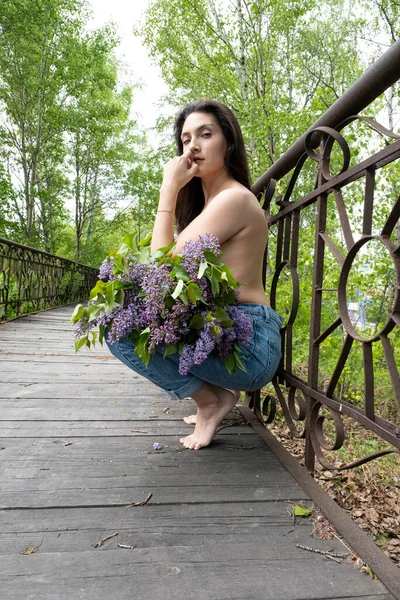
pixel 184 303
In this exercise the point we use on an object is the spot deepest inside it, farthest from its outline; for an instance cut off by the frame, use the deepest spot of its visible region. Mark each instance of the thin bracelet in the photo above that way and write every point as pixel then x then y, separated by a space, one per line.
pixel 169 211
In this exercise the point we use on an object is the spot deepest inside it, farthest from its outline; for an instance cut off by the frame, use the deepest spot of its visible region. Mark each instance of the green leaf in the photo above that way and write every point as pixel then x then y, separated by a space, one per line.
pixel 143 256
pixel 202 269
pixel 166 249
pixel 80 342
pixel 146 242
pixel 299 511
pixel 215 330
pixel 197 292
pixel 211 257
pixel 178 289
pixel 180 272
pixel 101 333
pixel 98 289
pixel 197 322
pixel 238 359
pixel 170 349
pixel 94 311
pixel 191 295
pixel 226 274
pixel 128 244
pixel 79 312
pixel 183 297
pixel 222 317
pixel 214 285
pixel 229 362
pixel 119 297
pixel 141 345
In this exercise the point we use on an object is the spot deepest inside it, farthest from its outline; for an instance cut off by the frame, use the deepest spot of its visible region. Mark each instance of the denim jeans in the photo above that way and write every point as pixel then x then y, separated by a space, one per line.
pixel 261 360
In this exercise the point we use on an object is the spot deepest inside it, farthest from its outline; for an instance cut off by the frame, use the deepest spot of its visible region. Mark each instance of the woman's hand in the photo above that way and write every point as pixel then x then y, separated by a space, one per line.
pixel 179 171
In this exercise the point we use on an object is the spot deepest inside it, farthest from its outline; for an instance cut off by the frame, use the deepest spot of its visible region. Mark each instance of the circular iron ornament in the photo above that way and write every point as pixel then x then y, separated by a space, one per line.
pixel 342 297
pixel 297 411
pixel 330 136
pixel 318 439
pixel 269 409
pixel 295 288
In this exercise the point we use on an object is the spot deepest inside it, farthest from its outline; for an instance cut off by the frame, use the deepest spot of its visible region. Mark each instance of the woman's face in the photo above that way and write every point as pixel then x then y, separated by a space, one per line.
pixel 202 135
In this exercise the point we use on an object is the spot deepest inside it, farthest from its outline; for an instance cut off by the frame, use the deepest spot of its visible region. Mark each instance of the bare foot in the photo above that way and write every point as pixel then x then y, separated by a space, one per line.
pixel 212 408
pixel 191 419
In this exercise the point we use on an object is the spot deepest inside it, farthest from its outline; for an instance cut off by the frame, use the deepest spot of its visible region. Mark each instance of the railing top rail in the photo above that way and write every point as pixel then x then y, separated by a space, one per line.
pixel 376 79
pixel 25 247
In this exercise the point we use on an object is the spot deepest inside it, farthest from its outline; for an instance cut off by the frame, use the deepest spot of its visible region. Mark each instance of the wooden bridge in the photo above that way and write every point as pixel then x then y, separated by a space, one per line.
pixel 77 466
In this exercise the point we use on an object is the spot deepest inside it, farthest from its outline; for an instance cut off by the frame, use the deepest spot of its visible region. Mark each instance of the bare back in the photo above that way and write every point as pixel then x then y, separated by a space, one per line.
pixel 236 218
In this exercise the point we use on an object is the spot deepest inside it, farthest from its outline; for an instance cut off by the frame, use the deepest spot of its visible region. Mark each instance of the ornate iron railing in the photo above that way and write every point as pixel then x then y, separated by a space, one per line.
pixel 343 313
pixel 32 280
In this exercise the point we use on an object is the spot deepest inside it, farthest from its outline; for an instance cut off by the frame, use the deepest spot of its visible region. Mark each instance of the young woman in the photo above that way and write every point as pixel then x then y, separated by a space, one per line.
pixel 206 188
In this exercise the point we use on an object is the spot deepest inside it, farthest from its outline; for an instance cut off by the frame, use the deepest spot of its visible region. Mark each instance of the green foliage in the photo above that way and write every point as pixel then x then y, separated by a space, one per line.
pixel 278 65
pixel 66 137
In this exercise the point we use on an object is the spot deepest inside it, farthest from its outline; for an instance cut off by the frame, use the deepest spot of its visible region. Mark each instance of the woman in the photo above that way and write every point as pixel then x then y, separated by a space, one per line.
pixel 207 188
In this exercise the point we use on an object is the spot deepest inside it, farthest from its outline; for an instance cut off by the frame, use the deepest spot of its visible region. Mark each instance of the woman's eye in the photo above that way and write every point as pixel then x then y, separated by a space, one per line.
pixel 185 142
pixel 206 134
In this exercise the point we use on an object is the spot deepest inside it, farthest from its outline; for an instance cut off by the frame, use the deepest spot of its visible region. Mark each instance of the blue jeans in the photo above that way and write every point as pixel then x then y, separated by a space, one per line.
pixel 261 360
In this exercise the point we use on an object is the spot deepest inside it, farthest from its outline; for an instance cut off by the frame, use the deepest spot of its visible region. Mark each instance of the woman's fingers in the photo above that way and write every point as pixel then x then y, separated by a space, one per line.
pixel 180 169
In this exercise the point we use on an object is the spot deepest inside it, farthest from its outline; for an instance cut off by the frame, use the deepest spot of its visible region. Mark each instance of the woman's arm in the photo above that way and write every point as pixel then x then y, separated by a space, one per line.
pixel 177 173
pixel 163 229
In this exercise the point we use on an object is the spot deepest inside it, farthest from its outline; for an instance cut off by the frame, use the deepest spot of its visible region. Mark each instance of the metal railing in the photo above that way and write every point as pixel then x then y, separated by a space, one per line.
pixel 322 220
pixel 32 280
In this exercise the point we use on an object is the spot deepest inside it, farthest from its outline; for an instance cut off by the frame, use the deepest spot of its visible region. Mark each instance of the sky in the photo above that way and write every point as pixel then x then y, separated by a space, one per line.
pixel 125 14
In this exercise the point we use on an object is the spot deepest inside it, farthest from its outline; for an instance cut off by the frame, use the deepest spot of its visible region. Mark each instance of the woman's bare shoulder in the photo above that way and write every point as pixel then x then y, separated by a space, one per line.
pixel 235 196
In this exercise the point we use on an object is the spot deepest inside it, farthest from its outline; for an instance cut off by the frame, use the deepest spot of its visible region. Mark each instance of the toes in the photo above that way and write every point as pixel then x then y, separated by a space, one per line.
pixel 190 420
pixel 191 443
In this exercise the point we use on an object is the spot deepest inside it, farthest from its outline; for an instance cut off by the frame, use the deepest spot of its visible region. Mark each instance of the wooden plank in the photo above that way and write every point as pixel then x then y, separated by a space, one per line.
pixel 136 407
pixel 218 526
pixel 72 530
pixel 213 572
pixel 151 428
pixel 151 517
pixel 82 389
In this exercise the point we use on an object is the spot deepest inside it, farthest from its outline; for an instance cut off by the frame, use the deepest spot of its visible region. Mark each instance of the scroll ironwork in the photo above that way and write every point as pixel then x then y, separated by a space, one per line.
pixel 32 280
pixel 311 397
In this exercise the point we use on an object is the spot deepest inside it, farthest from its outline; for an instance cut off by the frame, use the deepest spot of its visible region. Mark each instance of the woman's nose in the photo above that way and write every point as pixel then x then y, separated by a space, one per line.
pixel 194 145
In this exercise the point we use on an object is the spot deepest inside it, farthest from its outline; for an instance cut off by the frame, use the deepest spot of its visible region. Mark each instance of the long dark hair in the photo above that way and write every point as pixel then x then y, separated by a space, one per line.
pixel 190 201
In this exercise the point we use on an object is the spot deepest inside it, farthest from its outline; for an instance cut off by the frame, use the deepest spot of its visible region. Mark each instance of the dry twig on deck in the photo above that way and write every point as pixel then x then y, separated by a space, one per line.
pixel 101 542
pixel 328 553
pixel 140 503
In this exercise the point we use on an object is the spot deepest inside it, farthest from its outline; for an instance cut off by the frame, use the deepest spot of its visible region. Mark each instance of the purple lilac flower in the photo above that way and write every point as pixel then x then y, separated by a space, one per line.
pixel 204 345
pixel 193 252
pixel 155 284
pixel 167 333
pixel 106 271
pixel 82 327
pixel 241 324
pixel 124 322
pixel 186 360
pixel 157 446
pixel 225 341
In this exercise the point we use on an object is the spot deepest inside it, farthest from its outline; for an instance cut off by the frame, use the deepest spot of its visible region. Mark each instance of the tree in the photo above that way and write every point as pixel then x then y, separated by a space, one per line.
pixel 264 59
pixel 38 75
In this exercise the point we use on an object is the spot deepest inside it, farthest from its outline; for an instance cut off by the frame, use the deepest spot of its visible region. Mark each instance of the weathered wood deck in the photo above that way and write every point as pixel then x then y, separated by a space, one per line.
pixel 76 448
